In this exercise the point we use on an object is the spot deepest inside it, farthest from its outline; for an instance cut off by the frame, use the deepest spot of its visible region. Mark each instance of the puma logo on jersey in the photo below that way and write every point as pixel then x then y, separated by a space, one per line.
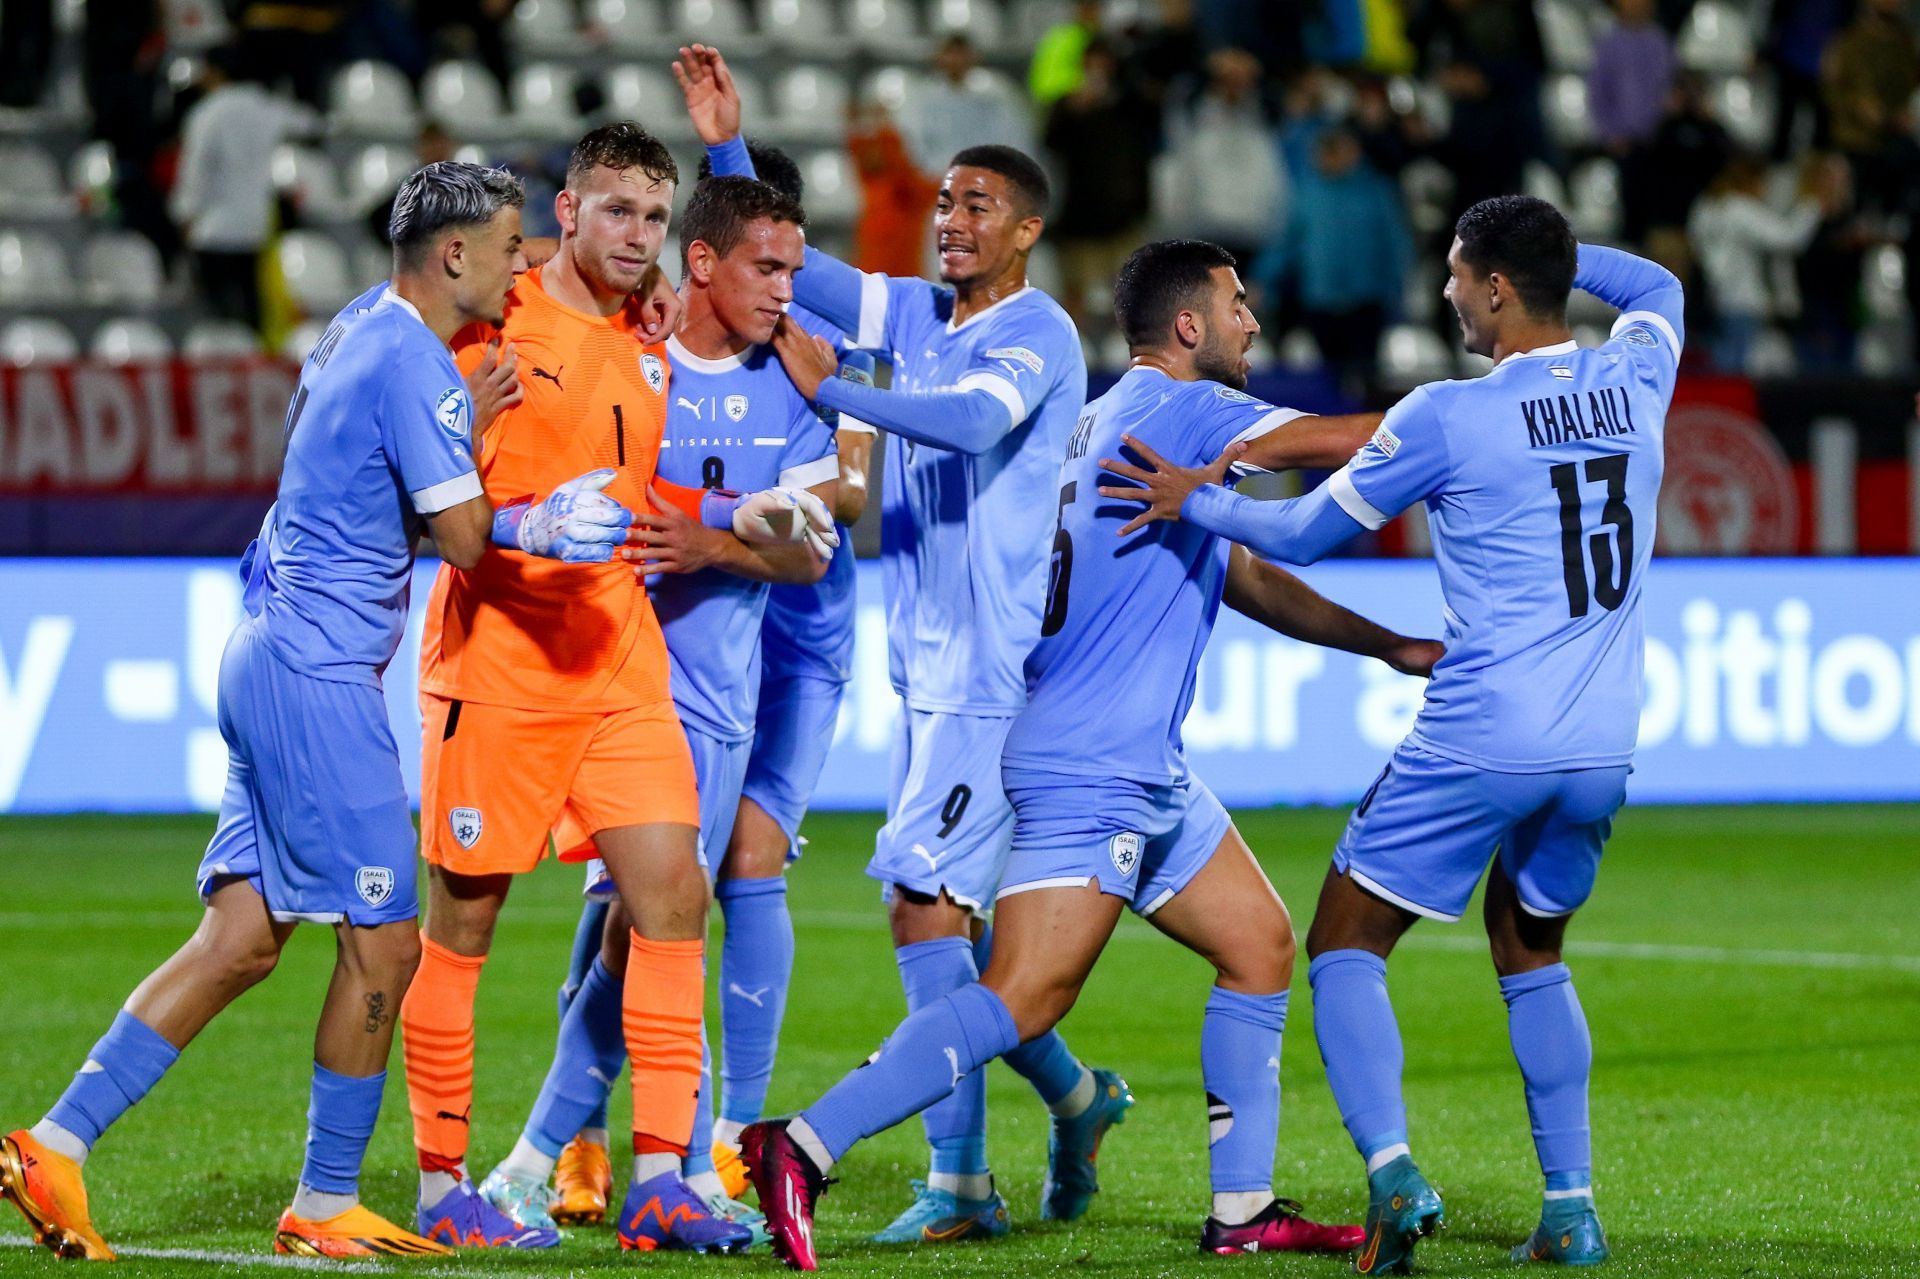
pixel 932 859
pixel 551 377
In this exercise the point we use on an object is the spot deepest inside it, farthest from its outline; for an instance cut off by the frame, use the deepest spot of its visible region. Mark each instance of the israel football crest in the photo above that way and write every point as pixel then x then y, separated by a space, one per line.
pixel 1125 851
pixel 654 371
pixel 736 406
pixel 465 824
pixel 374 884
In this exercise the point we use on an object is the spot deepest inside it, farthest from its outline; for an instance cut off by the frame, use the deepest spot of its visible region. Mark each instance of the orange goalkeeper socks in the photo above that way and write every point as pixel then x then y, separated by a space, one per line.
pixel 436 1025
pixel 661 1009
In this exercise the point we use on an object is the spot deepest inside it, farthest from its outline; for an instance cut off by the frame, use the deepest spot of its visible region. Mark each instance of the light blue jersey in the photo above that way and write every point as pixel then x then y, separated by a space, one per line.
pixel 378 437
pixel 964 537
pixel 735 423
pixel 1541 481
pixel 808 630
pixel 1129 614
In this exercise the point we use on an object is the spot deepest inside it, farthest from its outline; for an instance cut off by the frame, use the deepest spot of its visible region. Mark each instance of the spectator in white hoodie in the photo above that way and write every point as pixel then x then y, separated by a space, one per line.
pixel 1735 233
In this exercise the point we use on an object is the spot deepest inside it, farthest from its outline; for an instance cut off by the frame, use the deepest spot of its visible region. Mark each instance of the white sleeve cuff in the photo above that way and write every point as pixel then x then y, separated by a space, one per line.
pixel 447 493
pixel 873 311
pixel 848 422
pixel 1653 320
pixel 808 474
pixel 1267 423
pixel 1347 498
pixel 1000 389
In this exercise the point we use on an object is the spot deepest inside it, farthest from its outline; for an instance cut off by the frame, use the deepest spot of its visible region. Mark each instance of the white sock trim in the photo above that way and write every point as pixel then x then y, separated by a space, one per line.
pixel 963 1185
pixel 650 1165
pixel 808 1140
pixel 1238 1207
pixel 1381 1158
pixel 1075 1103
pixel 60 1141
pixel 1578 1192
pixel 706 1184
pixel 597 1136
pixel 727 1132
pixel 318 1205
pixel 527 1162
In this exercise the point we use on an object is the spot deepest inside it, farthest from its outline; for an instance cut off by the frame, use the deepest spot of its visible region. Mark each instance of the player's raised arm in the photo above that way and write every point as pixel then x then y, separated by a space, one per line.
pixel 1322 443
pixel 1282 602
pixel 1645 291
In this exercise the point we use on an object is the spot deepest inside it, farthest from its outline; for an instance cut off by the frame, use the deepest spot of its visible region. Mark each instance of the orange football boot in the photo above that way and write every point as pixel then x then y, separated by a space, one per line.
pixel 582 1180
pixel 357 1232
pixel 46 1187
pixel 732 1169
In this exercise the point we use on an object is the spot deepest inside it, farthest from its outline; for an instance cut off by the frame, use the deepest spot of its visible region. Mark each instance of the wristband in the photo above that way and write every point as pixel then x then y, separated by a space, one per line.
pixel 717 507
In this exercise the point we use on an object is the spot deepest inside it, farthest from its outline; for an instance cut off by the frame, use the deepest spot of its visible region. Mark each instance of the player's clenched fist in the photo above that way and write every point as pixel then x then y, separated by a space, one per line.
pixel 577 522
pixel 786 515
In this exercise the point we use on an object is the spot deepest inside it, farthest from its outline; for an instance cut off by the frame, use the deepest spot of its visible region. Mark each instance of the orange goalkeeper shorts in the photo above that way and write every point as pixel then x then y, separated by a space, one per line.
pixel 494 780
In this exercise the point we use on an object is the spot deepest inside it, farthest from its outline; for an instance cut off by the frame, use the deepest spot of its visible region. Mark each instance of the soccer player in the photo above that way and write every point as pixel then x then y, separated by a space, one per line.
pixel 1107 812
pixel 806 661
pixel 988 376
pixel 1541 480
pixel 735 419
pixel 315 823
pixel 545 696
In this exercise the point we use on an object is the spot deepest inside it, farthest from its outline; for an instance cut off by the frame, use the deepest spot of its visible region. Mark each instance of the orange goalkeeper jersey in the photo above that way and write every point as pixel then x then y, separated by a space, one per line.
pixel 533 633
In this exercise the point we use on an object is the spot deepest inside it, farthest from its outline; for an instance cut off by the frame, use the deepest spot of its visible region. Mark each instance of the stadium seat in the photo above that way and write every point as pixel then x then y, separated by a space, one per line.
pixel 1299 353
pixel 1566 29
pixel 811 102
pixel 1882 350
pixel 1427 186
pixel 122 268
pixel 632 26
pixel 981 20
pixel 1410 355
pixel 1566 108
pixel 33 269
pixel 809 26
pixel 131 340
pixel 886 28
pixel 1421 291
pixel 1746 106
pixel 1717 38
pixel 307 178
pixel 375 174
pixel 1540 181
pixel 753 97
pixel 1884 283
pixel 833 192
pixel 543 101
pixel 720 22
pixel 1034 18
pixel 219 339
pixel 196 24
pixel 35 340
pixel 373 97
pixel 316 271
pixel 649 96
pixel 465 92
pixel 1594 196
pixel 545 28
pixel 90 176
pixel 887 87
pixel 301 341
pixel 32 186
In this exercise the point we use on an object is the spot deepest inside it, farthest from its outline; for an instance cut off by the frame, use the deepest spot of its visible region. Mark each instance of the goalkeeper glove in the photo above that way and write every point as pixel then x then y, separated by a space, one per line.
pixel 577 523
pixel 775 516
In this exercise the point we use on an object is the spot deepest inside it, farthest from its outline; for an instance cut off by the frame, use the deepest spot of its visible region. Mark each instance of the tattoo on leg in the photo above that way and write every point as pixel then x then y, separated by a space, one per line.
pixel 377 1015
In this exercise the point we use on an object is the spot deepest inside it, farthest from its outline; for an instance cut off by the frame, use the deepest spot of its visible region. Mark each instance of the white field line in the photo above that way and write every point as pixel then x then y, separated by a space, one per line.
pixel 875 920
pixel 423 1266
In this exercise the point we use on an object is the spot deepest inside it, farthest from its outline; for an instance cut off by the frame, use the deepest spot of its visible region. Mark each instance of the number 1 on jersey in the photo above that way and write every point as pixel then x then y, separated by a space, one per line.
pixel 1610 470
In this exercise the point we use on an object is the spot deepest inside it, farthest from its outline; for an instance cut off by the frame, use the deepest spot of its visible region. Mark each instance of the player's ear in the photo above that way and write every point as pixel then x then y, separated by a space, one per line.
pixel 566 211
pixel 1027 233
pixel 1188 328
pixel 453 256
pixel 700 260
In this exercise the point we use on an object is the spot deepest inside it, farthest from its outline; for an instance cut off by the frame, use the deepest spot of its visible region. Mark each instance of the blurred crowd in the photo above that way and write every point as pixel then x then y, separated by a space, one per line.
pixel 1328 143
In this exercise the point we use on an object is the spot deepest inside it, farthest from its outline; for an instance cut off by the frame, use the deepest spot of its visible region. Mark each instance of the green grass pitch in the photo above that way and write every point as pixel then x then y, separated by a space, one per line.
pixel 1751 975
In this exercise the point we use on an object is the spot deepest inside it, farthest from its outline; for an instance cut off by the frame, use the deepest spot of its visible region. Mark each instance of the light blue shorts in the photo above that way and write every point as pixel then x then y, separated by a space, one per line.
pixel 1426 830
pixel 1141 842
pixel 315 815
pixel 948 820
pixel 792 734
pixel 719 768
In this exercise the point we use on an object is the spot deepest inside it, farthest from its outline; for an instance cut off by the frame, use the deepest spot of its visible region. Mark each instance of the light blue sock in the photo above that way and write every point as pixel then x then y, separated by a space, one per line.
pixel 929 1054
pixel 1240 1068
pixel 586 953
pixel 589 1057
pixel 1550 1041
pixel 124 1065
pixel 1360 1044
pixel 700 1144
pixel 956 1127
pixel 341 1116
pixel 1046 1063
pixel 756 967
